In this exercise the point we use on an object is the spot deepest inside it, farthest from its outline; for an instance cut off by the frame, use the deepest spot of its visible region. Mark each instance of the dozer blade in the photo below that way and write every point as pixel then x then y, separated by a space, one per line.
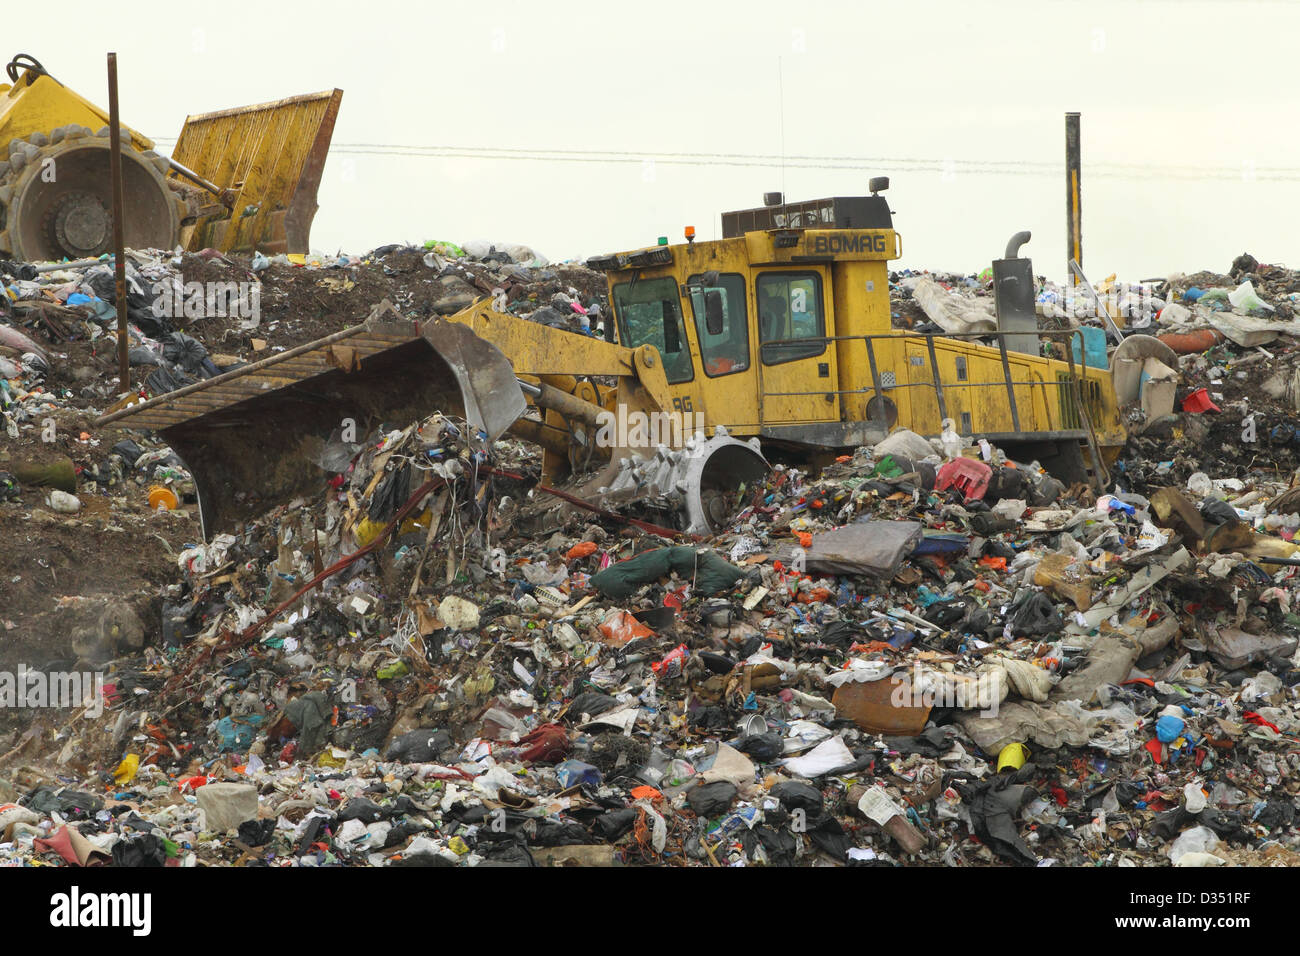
pixel 271 156
pixel 251 437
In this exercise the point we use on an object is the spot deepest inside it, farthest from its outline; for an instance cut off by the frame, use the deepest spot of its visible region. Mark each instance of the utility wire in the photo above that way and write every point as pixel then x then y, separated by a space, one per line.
pixel 1106 169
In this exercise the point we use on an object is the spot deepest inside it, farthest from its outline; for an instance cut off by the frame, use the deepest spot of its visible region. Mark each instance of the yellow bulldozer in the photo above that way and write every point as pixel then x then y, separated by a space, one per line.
pixel 238 180
pixel 774 340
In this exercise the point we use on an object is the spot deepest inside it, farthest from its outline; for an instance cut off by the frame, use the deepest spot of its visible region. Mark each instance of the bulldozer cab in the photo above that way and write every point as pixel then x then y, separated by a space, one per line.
pixel 751 327
pixel 782 330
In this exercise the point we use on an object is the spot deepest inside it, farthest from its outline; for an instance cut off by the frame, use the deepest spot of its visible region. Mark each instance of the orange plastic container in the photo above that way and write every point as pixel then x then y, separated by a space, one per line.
pixel 163 497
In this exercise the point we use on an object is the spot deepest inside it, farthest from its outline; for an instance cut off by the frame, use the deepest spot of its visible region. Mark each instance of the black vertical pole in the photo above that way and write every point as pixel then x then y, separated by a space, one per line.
pixel 119 257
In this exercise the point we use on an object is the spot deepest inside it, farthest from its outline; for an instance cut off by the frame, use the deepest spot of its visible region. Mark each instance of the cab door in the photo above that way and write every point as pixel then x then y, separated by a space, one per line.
pixel 797 377
pixel 728 389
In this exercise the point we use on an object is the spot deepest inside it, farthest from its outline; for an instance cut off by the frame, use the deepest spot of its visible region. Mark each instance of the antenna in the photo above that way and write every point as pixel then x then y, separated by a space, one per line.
pixel 780 80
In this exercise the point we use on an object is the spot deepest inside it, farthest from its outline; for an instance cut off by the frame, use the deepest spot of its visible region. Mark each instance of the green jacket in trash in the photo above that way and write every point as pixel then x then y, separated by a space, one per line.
pixel 710 572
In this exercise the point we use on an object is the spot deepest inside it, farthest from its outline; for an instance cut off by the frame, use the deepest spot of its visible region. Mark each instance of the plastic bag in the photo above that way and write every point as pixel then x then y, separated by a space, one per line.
pixel 189 353
pixel 1195 840
pixel 953 313
pixel 419 746
pixel 949 439
pixel 1033 614
pixel 621 628
pixel 711 799
pixel 1245 297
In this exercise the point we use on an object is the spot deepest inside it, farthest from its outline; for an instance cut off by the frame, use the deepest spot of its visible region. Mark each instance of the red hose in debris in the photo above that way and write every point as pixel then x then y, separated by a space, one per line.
pixel 1189 343
pixel 255 628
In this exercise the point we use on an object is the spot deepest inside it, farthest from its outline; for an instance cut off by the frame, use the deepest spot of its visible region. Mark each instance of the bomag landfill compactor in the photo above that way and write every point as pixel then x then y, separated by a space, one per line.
pixel 776 339
pixel 238 180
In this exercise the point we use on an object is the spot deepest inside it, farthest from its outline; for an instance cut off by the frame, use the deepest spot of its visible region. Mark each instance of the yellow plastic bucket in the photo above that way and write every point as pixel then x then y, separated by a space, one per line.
pixel 1013 756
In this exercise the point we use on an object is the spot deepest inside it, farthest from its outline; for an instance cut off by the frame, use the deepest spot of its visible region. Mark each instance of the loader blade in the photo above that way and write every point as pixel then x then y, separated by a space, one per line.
pixel 272 156
pixel 251 436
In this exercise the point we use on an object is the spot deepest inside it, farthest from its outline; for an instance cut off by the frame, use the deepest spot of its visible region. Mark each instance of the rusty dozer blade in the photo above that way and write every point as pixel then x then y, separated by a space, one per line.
pixel 269 159
pixel 251 436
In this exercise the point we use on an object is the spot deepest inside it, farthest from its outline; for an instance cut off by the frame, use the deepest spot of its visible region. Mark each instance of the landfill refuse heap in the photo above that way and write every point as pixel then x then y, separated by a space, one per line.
pixel 923 653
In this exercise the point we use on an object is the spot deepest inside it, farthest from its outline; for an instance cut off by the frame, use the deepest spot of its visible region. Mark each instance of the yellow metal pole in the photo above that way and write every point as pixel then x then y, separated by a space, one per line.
pixel 1073 196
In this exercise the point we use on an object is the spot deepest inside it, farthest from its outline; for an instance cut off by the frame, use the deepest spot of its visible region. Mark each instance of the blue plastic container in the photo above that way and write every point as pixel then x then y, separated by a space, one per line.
pixel 1094 347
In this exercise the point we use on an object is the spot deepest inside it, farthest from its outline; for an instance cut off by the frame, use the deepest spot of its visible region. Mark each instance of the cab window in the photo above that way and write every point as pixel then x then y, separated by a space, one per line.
pixel 728 351
pixel 790 307
pixel 648 314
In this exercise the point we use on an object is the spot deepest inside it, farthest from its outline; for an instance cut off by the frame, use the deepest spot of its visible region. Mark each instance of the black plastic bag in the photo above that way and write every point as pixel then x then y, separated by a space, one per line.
pixel 987 523
pixel 419 746
pixel 189 353
pixel 798 796
pixel 1226 824
pixel 931 742
pixel 1218 511
pixel 717 663
pixel 592 703
pixel 1033 614
pixel 19 270
pixel 945 614
pixel 711 718
pixel 256 832
pixel 995 807
pixel 827 835
pixel 762 747
pixel 72 804
pixel 1277 813
pixel 141 355
pixel 1005 483
pixel 840 633
pixel 144 850
pixel 712 799
pixel 611 825
pixel 367 811
pixel 128 451
pixel 504 849
pixel 391 494
pixel 560 833
pixel 163 380
pixel 778 842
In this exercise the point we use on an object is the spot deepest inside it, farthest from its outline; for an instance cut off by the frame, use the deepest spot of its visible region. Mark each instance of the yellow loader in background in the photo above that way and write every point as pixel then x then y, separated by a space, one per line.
pixel 239 180
pixel 775 339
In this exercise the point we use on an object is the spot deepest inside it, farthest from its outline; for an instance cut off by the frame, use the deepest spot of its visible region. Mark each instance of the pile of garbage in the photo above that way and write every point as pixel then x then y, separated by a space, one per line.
pixel 194 316
pixel 924 653
pixel 1264 296
pixel 82 503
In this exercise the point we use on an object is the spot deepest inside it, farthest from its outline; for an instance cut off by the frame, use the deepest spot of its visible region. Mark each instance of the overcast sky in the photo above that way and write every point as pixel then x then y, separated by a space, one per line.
pixel 673 112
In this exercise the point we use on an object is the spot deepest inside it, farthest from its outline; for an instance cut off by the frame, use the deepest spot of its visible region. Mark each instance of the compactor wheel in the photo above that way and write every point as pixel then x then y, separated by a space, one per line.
pixel 56 198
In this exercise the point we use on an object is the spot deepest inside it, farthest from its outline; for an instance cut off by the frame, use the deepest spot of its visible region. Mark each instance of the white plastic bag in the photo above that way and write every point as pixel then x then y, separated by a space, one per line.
pixel 1195 840
pixel 1245 297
